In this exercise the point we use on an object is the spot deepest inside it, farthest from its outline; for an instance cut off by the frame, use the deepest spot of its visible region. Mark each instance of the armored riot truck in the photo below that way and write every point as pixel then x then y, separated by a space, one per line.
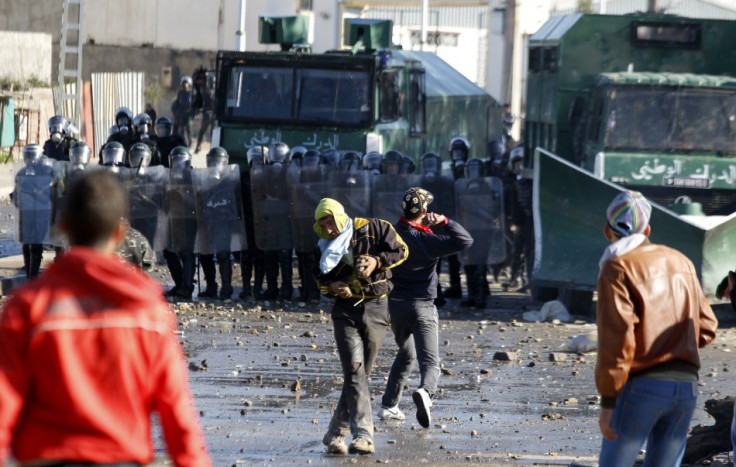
pixel 642 102
pixel 370 98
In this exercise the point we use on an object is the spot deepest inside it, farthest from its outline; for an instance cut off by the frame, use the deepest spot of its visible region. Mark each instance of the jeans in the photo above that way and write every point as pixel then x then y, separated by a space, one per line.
pixel 414 323
pixel 655 410
pixel 360 330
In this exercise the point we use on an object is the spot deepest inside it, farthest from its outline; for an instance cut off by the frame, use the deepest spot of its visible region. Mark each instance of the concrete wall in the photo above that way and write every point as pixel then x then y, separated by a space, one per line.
pixel 25 55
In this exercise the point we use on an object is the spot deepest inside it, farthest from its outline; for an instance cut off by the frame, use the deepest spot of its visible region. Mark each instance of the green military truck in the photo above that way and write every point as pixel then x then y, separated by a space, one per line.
pixel 370 98
pixel 643 102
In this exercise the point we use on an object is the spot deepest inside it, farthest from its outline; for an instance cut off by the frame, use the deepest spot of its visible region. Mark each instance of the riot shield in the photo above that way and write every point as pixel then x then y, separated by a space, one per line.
pixel 271 208
pixel 386 194
pixel 352 190
pixel 219 210
pixel 442 187
pixel 61 178
pixel 146 191
pixel 479 208
pixel 312 184
pixel 33 199
pixel 181 213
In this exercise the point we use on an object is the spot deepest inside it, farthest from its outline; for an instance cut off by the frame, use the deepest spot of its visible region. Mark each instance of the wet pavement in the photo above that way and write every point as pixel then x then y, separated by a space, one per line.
pixel 266 378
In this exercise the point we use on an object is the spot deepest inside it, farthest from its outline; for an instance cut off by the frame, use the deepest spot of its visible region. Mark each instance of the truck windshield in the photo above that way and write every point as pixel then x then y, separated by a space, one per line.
pixel 671 119
pixel 285 95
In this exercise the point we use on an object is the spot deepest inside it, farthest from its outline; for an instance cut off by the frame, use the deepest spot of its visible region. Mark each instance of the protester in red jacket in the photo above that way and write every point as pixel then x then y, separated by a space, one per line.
pixel 88 351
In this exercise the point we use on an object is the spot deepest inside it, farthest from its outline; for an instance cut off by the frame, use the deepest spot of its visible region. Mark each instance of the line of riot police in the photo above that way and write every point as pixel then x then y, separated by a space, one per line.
pixel 182 211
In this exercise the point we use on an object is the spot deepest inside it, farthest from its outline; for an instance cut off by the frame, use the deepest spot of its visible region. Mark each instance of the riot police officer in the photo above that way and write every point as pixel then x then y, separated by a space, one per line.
pixel 180 205
pixel 142 126
pixel 252 259
pixel 459 151
pixel 32 197
pixel 60 139
pixel 183 110
pixel 166 139
pixel 219 221
pixel 124 125
pixel 523 220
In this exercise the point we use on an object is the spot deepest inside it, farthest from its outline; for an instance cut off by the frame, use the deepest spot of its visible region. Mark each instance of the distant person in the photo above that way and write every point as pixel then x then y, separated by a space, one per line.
pixel 166 139
pixel 183 110
pixel 150 111
pixel 89 351
pixel 122 131
pixel 205 89
pixel 414 318
pixel 354 258
pixel 652 319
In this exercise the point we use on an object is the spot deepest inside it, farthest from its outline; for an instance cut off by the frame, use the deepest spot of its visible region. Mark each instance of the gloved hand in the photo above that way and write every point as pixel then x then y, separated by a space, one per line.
pixel 365 265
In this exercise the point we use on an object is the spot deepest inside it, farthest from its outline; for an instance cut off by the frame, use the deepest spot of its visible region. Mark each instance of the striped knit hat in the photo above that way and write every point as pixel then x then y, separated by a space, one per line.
pixel 629 213
pixel 415 201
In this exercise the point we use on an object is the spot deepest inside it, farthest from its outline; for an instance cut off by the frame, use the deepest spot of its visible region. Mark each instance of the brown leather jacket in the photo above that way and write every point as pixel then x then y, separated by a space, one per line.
pixel 651 310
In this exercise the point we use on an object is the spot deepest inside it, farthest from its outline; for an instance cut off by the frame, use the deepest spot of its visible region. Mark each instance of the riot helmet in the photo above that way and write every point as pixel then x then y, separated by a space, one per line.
pixel 139 156
pixel 332 158
pixel 186 79
pixel 351 162
pixel 142 125
pixel 257 156
pixel 113 154
pixel 80 154
pixel 372 161
pixel 311 159
pixel 459 149
pixel 516 159
pixel 164 127
pixel 431 165
pixel 474 168
pixel 407 165
pixel 57 128
pixel 391 163
pixel 217 158
pixel 297 154
pixel 279 154
pixel 32 154
pixel 123 119
pixel 180 159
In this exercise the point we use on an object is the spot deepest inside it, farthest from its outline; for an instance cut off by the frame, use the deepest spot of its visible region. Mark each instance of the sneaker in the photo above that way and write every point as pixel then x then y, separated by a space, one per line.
pixel 361 446
pixel 423 403
pixel 391 413
pixel 226 293
pixel 335 443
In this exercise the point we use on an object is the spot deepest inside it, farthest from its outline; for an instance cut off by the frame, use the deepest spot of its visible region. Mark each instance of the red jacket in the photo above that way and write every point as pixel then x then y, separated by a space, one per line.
pixel 87 352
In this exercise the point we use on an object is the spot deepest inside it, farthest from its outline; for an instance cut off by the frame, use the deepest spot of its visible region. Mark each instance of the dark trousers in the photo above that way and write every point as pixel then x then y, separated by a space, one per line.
pixel 279 261
pixel 210 274
pixel 181 267
pixel 305 266
pixel 360 329
pixel 32 256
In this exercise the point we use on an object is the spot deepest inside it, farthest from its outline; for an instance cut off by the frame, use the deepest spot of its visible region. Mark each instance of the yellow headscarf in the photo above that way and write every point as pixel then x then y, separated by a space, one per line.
pixel 330 207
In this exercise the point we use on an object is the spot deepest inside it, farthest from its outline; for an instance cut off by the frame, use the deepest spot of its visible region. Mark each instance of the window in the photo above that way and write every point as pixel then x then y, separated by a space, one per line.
pixel 661 34
pixel 417 107
pixel 329 96
pixel 390 95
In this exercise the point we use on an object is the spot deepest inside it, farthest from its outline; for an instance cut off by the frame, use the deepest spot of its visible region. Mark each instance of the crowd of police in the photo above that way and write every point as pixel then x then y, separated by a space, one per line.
pixel 262 215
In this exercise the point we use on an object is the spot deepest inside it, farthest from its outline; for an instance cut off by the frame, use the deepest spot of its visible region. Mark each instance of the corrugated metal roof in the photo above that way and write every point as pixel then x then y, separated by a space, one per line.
pixel 667 79
pixel 448 16
pixel 441 78
pixel 687 8
pixel 554 29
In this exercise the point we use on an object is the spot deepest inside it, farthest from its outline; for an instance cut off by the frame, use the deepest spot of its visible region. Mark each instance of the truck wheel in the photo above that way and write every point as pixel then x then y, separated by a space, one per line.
pixel 544 294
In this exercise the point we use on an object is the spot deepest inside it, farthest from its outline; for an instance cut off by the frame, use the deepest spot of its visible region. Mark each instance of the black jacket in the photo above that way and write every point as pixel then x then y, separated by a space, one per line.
pixel 416 278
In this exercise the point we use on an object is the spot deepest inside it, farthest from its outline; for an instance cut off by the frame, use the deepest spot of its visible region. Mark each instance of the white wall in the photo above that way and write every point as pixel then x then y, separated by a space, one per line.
pixel 24 55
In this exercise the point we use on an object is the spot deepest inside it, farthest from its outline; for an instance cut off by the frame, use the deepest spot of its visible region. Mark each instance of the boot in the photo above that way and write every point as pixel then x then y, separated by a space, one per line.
pixel 208 269
pixel 35 261
pixel 472 283
pixel 226 276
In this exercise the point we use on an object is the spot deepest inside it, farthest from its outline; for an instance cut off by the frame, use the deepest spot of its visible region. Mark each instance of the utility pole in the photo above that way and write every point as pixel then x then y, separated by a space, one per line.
pixel 652 6
pixel 425 15
pixel 240 33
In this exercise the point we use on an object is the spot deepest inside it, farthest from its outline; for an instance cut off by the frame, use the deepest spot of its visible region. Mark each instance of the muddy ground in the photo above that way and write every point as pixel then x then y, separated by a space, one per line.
pixel 538 408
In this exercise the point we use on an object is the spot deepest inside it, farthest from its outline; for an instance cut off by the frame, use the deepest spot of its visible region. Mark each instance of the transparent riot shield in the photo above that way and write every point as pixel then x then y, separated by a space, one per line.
pixel 353 191
pixel 442 187
pixel 61 178
pixel 219 210
pixel 311 184
pixel 146 192
pixel 33 199
pixel 479 208
pixel 181 213
pixel 272 227
pixel 386 194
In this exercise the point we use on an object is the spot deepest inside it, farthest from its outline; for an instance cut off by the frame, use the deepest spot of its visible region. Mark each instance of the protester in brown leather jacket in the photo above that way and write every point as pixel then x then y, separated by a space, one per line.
pixel 652 319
